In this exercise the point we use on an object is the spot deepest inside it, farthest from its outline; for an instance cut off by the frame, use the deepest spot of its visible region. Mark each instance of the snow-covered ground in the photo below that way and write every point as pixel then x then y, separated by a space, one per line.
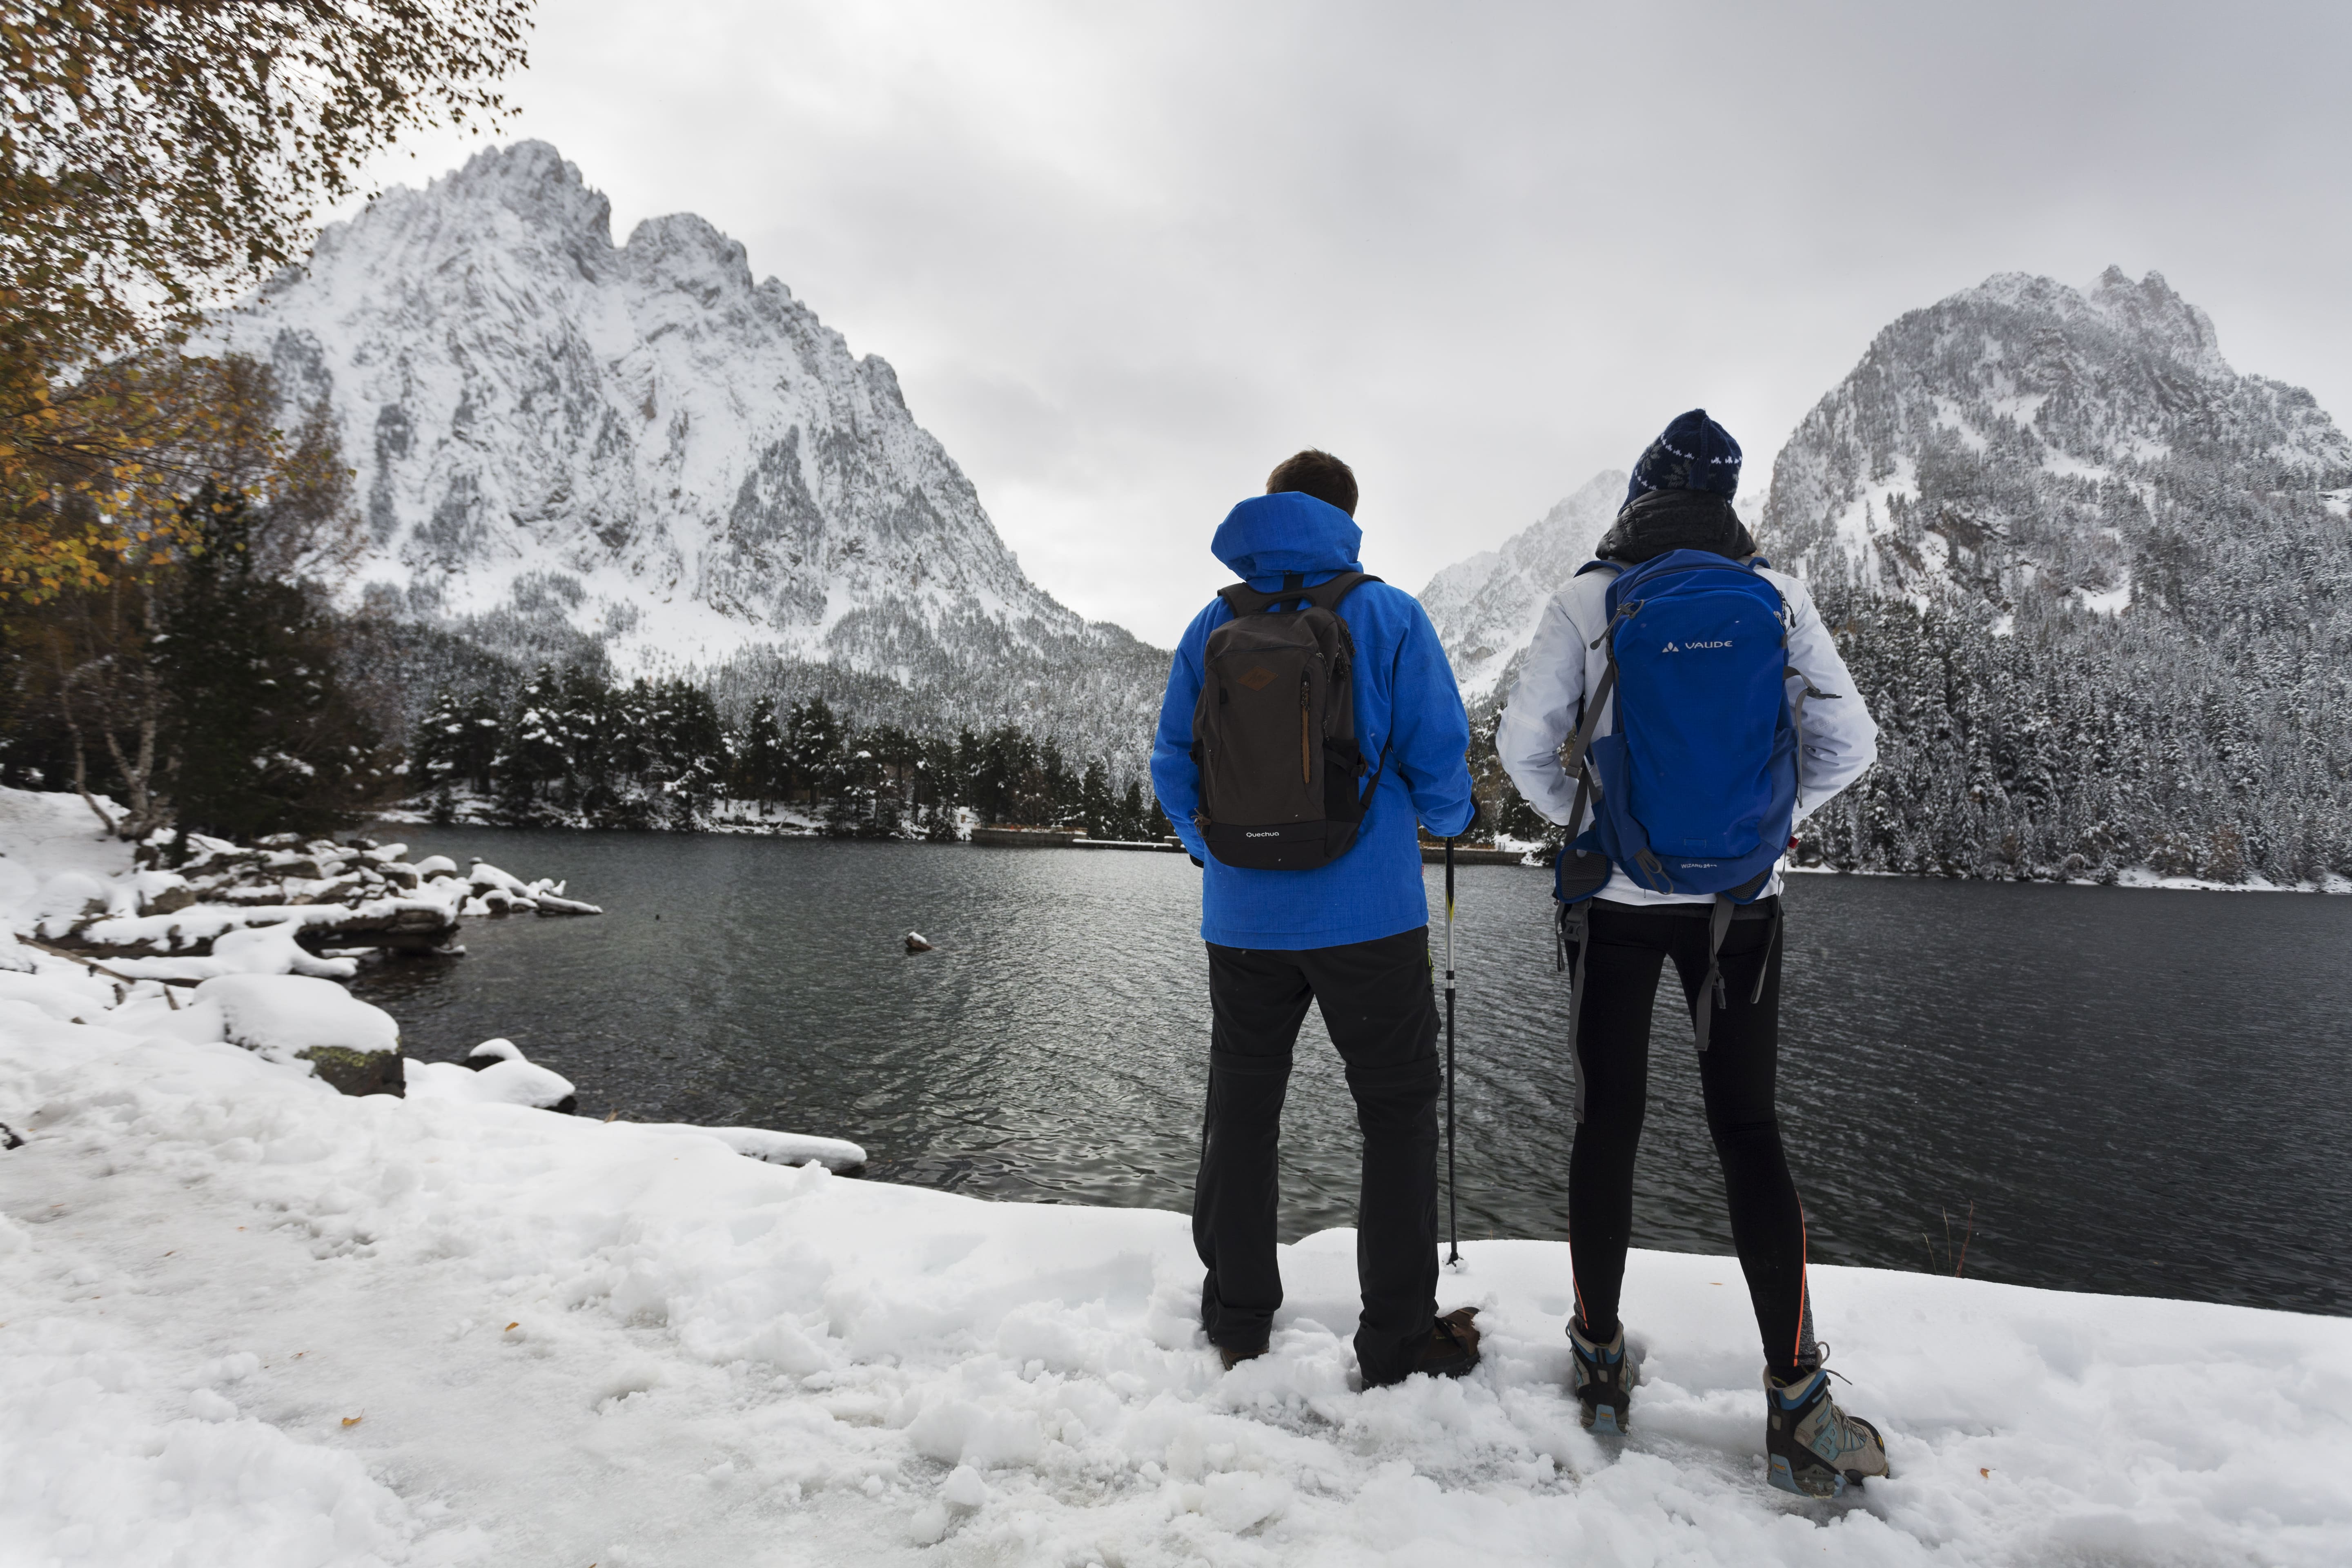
pixel 245 1319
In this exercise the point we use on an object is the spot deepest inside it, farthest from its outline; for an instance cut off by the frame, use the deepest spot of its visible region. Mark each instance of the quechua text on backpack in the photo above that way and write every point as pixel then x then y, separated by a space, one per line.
pixel 1694 789
pixel 1274 732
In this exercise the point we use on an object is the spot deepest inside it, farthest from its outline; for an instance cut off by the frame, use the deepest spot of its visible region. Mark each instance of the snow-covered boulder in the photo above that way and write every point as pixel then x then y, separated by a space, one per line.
pixel 498 892
pixel 74 1000
pixel 66 899
pixel 776 1148
pixel 495 1072
pixel 272 950
pixel 554 904
pixel 294 1018
pixel 166 1016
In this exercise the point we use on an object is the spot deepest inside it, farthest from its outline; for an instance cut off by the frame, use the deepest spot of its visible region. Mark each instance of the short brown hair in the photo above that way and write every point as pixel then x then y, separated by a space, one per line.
pixel 1318 474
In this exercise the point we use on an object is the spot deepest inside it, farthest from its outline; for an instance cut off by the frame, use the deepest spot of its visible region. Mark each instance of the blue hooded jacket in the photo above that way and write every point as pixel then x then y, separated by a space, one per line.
pixel 1406 701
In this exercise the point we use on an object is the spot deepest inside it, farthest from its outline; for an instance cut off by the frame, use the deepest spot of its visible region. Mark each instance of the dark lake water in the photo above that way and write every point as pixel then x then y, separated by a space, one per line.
pixel 2138 1091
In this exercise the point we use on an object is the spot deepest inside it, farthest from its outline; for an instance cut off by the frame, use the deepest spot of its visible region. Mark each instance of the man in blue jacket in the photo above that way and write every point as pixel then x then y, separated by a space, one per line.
pixel 1351 935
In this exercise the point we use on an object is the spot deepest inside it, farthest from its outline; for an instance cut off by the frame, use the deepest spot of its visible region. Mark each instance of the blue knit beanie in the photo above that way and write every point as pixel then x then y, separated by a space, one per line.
pixel 1693 454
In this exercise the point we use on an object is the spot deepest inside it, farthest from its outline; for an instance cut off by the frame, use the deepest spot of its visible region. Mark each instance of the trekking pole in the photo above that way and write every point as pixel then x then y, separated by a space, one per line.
pixel 1453 1214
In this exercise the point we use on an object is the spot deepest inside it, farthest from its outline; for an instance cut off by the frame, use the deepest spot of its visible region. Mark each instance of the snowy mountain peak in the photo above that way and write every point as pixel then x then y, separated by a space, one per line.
pixel 2021 439
pixel 2146 314
pixel 559 441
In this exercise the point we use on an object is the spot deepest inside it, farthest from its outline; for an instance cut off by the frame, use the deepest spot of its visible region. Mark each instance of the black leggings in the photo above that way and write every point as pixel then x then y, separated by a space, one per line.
pixel 1627 947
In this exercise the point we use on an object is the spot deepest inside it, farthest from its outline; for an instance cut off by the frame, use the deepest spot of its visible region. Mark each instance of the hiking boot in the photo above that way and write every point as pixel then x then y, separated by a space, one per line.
pixel 1605 1380
pixel 1452 1348
pixel 1232 1357
pixel 1810 1447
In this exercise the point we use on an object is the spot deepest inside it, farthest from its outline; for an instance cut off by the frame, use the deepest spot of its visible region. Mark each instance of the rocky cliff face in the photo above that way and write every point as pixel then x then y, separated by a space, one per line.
pixel 1486 608
pixel 562 444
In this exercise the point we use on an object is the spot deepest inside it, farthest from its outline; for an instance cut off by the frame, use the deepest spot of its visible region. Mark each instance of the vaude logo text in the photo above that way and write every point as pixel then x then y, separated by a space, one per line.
pixel 1670 648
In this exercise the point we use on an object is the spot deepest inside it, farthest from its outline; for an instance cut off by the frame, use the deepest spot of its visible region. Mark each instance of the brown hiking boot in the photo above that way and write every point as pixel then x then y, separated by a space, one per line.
pixel 1234 1358
pixel 1451 1348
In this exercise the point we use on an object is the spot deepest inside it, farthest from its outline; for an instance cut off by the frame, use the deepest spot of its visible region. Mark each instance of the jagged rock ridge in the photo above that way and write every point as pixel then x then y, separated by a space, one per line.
pixel 562 444
pixel 1486 608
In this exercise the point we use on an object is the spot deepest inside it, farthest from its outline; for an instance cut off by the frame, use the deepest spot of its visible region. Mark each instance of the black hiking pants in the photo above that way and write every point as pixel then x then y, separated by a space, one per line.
pixel 1382 1015
pixel 1629 946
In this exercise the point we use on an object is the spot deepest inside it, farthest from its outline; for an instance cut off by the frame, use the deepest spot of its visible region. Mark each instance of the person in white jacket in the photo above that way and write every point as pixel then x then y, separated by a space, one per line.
pixel 1680 499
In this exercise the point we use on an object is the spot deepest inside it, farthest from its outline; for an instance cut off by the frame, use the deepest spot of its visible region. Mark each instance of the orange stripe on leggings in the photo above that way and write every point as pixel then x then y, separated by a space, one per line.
pixel 1575 1285
pixel 1804 1257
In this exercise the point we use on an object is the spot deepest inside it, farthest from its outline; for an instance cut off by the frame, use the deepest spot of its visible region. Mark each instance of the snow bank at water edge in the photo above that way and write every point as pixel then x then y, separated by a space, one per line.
pixel 277 908
pixel 243 1319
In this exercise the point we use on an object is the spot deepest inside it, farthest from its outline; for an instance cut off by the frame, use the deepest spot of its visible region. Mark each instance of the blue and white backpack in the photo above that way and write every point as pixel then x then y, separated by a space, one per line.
pixel 1696 789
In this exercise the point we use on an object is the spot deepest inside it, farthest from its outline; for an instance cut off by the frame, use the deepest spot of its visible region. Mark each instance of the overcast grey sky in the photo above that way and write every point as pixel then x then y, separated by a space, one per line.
pixel 1126 256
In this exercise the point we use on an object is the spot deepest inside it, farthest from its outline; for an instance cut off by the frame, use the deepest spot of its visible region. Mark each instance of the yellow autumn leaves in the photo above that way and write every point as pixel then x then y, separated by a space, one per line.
pixel 156 157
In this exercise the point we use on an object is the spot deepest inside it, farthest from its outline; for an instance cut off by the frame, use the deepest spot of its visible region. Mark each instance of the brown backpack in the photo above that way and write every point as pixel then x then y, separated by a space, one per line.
pixel 1275 732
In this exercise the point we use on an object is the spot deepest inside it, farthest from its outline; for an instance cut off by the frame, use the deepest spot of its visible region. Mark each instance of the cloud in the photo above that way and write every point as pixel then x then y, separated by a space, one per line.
pixel 1127 257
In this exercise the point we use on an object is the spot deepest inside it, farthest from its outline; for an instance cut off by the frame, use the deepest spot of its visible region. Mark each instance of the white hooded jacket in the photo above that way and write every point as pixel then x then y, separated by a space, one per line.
pixel 1837 739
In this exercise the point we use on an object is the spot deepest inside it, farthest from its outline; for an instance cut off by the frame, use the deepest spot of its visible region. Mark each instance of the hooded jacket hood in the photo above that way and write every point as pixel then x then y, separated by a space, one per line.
pixel 1266 536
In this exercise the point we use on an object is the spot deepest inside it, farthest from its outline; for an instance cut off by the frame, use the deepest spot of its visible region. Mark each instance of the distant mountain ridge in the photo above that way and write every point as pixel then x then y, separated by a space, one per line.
pixel 2095 584
pixel 565 445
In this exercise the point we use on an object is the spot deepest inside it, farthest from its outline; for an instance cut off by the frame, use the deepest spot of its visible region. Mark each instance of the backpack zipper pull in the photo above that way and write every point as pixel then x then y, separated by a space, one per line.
pixel 1306 703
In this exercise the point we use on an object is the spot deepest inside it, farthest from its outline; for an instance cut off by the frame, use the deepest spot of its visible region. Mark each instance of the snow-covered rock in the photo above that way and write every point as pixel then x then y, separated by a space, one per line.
pixel 291 1017
pixel 560 441
pixel 778 1148
pixel 77 998
pixel 512 1079
pixel 501 892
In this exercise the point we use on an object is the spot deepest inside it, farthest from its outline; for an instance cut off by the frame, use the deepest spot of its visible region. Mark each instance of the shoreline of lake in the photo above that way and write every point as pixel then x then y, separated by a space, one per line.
pixel 2135 1092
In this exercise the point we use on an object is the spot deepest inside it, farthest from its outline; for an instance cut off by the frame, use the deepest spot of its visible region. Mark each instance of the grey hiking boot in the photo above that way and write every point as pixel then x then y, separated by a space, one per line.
pixel 1605 1380
pixel 1810 1447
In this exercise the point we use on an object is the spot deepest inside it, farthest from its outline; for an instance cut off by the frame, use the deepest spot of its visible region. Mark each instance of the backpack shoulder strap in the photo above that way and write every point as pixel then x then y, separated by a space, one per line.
pixel 1244 600
pixel 1327 595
